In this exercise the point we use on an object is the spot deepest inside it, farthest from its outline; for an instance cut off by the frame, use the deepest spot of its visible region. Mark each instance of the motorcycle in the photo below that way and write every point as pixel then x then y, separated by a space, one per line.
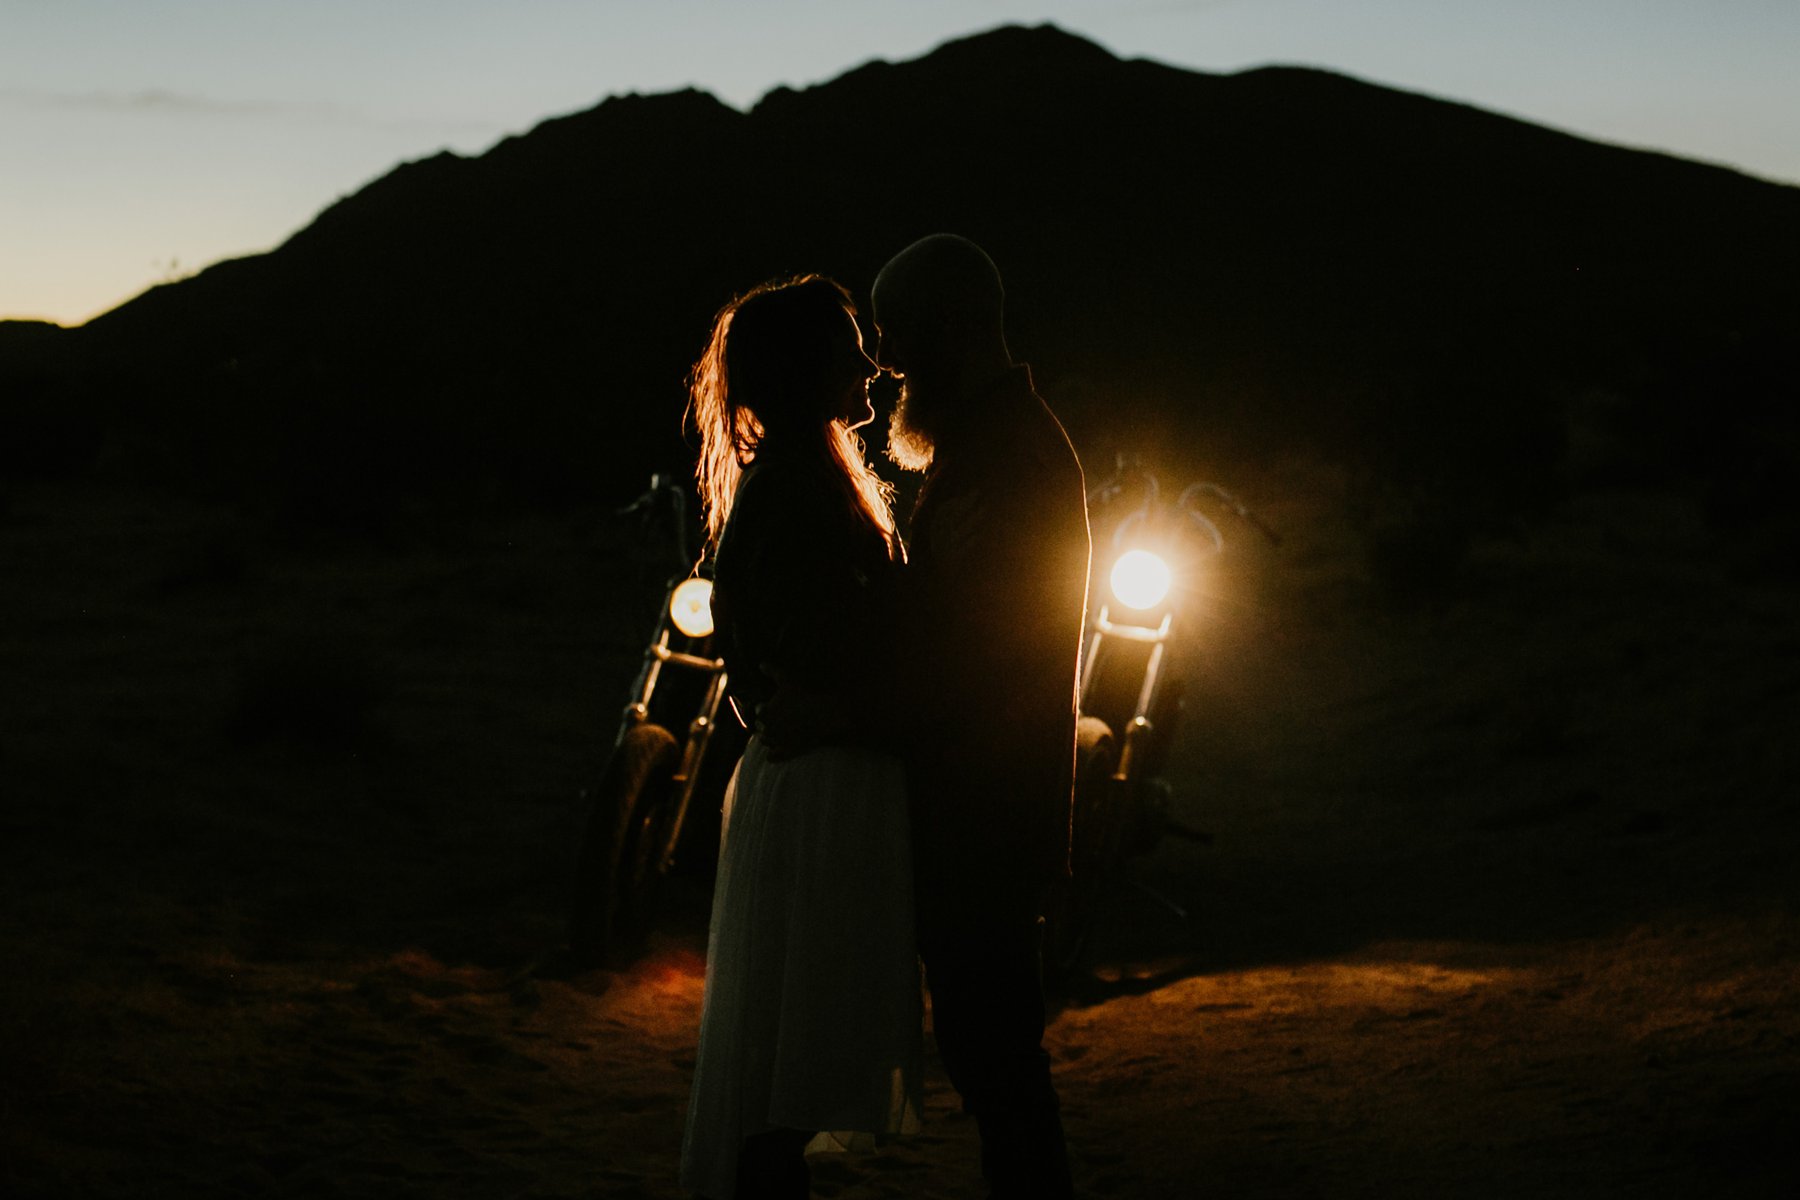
pixel 1146 569
pixel 671 748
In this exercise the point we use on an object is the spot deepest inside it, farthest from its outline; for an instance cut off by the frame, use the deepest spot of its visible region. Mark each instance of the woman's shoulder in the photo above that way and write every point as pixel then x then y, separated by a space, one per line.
pixel 775 491
pixel 782 502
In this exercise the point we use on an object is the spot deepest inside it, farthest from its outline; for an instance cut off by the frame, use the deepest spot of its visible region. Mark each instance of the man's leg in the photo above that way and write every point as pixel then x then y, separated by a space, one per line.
pixel 772 1166
pixel 988 1015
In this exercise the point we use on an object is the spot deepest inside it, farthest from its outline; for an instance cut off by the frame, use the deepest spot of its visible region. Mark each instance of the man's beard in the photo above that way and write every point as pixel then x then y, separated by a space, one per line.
pixel 911 440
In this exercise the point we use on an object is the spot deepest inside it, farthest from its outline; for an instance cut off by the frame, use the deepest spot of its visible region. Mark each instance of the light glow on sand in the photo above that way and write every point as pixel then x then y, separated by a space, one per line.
pixel 1398 986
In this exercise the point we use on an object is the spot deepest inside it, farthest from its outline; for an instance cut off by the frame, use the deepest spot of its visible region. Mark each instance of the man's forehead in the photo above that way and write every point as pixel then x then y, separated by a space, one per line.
pixel 888 298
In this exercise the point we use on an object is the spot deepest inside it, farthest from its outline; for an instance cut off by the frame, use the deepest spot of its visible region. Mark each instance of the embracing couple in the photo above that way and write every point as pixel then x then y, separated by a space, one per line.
pixel 906 796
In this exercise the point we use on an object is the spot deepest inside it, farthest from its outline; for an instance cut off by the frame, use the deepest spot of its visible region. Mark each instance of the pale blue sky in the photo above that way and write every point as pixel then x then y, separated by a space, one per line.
pixel 143 139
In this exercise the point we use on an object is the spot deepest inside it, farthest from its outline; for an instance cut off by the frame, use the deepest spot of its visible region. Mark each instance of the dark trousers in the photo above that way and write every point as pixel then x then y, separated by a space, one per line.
pixel 772 1166
pixel 987 1005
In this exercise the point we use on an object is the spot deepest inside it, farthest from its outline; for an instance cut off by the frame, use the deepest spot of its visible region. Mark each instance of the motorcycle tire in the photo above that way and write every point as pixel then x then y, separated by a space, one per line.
pixel 1096 828
pixel 616 875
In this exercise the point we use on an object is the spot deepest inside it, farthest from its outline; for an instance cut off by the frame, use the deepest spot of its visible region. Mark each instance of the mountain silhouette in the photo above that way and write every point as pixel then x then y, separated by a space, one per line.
pixel 1222 263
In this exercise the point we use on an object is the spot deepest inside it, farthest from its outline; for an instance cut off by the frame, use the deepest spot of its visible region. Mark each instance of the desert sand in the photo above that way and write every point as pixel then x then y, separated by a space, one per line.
pixel 1499 899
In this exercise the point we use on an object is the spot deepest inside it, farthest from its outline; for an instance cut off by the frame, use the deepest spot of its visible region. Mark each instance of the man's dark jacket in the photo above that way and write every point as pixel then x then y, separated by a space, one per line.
pixel 994 602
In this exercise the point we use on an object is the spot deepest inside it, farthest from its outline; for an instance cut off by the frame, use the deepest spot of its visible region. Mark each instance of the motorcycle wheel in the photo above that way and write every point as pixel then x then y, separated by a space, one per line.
pixel 616 876
pixel 1097 825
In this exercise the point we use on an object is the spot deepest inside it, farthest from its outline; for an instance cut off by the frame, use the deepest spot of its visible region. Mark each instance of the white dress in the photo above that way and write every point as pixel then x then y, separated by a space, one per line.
pixel 812 1010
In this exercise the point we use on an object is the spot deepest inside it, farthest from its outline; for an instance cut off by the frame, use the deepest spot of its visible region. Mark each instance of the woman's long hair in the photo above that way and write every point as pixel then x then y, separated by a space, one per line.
pixel 766 375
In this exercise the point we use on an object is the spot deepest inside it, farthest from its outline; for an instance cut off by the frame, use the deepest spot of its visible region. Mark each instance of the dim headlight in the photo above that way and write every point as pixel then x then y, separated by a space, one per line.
pixel 690 607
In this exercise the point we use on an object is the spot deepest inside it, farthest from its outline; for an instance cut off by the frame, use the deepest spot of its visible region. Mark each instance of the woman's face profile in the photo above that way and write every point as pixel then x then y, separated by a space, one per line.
pixel 852 369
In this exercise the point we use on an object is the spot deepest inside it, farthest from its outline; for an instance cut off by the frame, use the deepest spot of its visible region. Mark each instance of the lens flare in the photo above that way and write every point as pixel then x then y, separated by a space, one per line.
pixel 690 607
pixel 1140 579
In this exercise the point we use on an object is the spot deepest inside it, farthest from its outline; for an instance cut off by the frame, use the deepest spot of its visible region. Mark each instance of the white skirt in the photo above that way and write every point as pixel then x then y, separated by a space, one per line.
pixel 812 1011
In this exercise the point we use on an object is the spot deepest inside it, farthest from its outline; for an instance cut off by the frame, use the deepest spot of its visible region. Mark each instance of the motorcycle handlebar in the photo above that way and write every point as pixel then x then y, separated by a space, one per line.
pixel 1127 468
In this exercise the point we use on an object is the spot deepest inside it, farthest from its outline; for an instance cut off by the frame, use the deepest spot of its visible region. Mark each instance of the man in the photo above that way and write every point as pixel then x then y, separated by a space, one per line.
pixel 993 619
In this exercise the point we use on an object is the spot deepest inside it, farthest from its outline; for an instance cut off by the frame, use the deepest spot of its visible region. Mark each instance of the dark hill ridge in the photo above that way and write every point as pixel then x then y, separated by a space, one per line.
pixel 1275 256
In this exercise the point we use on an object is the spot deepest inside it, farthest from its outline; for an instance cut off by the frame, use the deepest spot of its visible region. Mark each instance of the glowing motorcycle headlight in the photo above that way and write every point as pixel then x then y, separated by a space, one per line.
pixel 1140 579
pixel 690 607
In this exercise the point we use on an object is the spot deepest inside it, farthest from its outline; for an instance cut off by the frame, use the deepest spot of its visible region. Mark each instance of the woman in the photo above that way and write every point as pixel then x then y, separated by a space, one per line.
pixel 811 1026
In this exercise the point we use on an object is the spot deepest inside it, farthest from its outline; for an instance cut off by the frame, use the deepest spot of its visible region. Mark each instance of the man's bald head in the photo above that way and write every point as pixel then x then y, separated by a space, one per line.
pixel 940 300
pixel 938 308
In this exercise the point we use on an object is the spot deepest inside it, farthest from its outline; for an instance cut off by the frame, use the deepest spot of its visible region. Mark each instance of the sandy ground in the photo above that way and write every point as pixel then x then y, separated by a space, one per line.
pixel 1500 898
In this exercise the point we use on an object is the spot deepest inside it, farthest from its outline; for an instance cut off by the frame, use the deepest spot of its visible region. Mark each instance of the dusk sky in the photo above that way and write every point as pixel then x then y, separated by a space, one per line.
pixel 141 140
